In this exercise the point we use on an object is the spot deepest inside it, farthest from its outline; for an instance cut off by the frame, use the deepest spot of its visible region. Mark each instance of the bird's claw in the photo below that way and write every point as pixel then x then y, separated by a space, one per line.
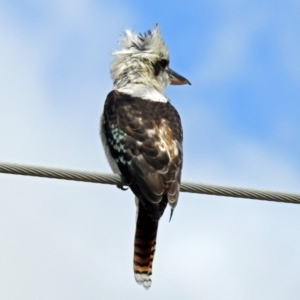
pixel 121 187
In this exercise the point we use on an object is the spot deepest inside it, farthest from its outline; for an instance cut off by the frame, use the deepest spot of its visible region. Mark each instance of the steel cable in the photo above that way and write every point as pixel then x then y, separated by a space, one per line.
pixel 113 179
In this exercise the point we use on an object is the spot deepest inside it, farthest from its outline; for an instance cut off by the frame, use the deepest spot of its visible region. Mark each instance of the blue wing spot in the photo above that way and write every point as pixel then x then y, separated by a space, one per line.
pixel 117 142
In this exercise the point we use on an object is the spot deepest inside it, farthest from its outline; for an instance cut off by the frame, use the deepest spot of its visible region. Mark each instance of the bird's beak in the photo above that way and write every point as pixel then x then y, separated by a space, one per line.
pixel 177 79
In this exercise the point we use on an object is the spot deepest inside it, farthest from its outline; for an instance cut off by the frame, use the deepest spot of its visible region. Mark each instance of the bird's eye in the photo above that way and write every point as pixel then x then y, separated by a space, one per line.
pixel 164 63
pixel 159 66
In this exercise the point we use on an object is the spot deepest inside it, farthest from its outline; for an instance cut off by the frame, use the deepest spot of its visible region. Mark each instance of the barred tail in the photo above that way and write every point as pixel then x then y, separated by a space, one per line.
pixel 144 247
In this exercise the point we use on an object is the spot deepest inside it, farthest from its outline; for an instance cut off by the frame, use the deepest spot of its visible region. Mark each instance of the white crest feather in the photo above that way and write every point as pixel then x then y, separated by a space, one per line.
pixel 148 45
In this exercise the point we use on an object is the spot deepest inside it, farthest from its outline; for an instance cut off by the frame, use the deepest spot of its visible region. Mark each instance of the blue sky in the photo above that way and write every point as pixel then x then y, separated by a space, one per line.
pixel 70 240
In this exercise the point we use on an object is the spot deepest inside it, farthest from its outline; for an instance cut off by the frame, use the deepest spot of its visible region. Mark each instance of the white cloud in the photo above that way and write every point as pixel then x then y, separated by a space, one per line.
pixel 27 102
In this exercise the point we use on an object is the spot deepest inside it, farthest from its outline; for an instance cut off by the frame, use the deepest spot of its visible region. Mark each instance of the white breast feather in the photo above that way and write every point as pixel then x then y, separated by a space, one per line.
pixel 143 92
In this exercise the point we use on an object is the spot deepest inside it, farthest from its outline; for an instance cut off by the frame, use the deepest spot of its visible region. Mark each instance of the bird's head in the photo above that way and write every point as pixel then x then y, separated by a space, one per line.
pixel 143 59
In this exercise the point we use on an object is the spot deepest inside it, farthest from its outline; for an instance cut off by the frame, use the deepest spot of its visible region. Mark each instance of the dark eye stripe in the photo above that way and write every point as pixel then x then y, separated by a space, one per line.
pixel 164 63
pixel 159 66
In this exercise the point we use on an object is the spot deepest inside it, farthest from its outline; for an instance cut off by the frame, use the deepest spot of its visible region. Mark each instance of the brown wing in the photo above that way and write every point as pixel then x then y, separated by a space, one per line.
pixel 145 139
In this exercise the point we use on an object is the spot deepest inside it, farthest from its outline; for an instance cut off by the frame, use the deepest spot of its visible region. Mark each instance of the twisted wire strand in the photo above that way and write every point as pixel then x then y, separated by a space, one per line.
pixel 114 179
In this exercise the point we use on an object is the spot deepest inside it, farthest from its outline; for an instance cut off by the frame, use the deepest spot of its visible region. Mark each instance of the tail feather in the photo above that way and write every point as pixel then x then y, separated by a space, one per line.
pixel 144 247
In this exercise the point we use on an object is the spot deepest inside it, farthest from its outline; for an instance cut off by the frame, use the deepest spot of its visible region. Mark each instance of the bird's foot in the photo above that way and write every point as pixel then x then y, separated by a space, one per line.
pixel 121 187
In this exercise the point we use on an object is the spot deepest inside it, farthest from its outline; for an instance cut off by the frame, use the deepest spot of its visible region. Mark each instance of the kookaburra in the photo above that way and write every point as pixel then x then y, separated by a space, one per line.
pixel 142 136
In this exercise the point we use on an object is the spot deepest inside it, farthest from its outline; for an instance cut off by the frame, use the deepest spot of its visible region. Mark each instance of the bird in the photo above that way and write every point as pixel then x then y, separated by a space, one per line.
pixel 142 136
